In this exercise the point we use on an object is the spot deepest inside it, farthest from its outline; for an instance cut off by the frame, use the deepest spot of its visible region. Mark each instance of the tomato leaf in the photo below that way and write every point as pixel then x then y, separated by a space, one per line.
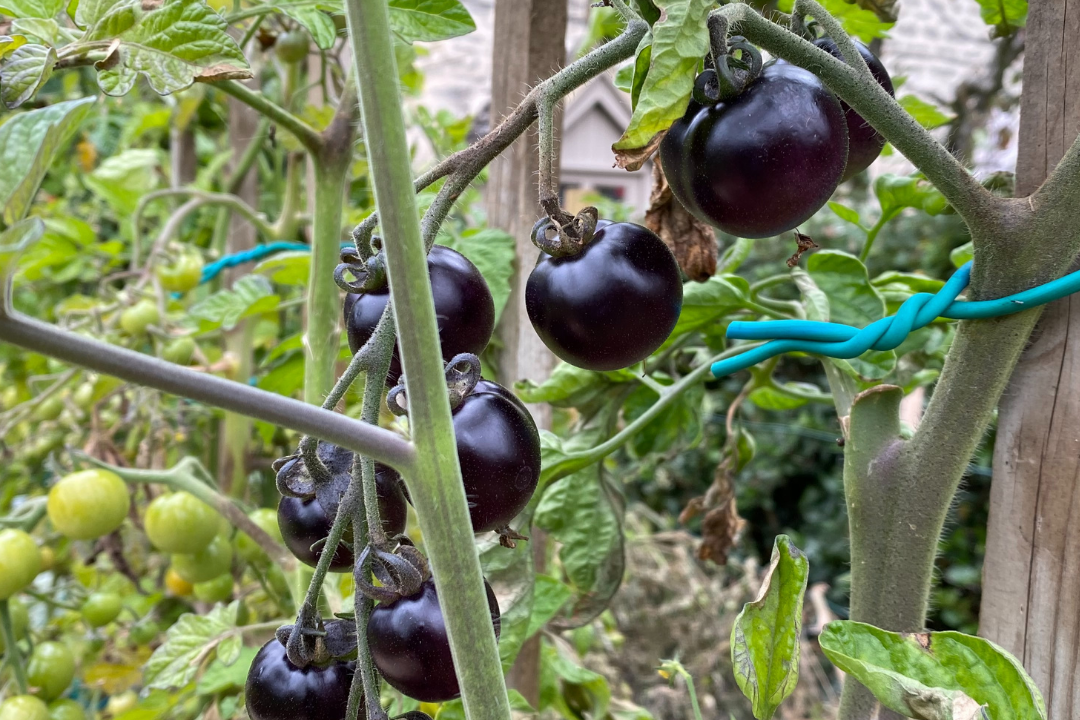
pixel 29 142
pixel 680 39
pixel 570 386
pixel 173 43
pixel 964 253
pixel 319 24
pixel 174 664
pixel 706 303
pixel 287 268
pixel 843 278
pixel 679 424
pixel 928 115
pixel 25 72
pixel 859 20
pixel 250 295
pixel 1006 16
pixel 896 192
pixel 45 9
pixel 765 637
pixel 492 252
pixel 934 676
pixel 122 180
pixel 429 20
pixel 222 677
pixel 846 214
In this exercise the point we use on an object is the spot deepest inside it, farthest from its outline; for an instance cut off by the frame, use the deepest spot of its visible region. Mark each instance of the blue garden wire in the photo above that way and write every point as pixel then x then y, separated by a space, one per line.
pixel 255 254
pixel 842 341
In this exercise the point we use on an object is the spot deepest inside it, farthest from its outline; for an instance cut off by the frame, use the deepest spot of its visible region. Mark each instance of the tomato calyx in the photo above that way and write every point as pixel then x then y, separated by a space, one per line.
pixel 730 68
pixel 401 570
pixel 563 235
pixel 318 643
pixel 462 375
pixel 357 274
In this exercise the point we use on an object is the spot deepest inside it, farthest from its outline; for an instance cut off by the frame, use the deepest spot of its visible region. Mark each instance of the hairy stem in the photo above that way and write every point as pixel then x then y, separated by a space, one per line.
pixel 435 485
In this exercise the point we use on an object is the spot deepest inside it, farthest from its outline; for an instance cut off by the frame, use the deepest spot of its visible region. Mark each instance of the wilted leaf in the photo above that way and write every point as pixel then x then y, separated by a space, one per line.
pixel 691 240
pixel 429 20
pixel 24 72
pixel 173 43
pixel 680 41
pixel 765 638
pixel 28 143
pixel 934 676
pixel 722 525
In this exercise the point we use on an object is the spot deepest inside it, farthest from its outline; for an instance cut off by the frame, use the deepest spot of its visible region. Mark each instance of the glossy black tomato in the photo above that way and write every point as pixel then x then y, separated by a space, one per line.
pixel 304 522
pixel 483 385
pixel 278 690
pixel 410 647
pixel 864 142
pixel 762 163
pixel 612 304
pixel 463 306
pixel 499 451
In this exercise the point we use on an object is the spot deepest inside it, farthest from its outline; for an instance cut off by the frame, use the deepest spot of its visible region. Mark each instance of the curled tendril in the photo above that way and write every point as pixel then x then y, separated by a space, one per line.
pixel 290 480
pixel 356 274
pixel 560 239
pixel 462 374
pixel 401 572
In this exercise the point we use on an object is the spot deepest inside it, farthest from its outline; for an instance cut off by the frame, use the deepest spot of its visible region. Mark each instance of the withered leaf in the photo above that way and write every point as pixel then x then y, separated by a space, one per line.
pixel 691 240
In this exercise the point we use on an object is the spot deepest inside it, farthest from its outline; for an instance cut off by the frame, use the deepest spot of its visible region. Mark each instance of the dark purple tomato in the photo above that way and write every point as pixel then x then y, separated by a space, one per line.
pixel 410 647
pixel 463 306
pixel 612 304
pixel 304 522
pixel 278 690
pixel 494 387
pixel 864 142
pixel 761 164
pixel 499 451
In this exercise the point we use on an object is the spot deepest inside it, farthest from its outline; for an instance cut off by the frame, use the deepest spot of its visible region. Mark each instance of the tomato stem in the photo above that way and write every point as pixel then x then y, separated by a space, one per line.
pixel 12 655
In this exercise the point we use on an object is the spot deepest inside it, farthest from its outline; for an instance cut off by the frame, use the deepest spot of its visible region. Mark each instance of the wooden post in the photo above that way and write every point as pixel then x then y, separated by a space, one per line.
pixel 529 44
pixel 1031 577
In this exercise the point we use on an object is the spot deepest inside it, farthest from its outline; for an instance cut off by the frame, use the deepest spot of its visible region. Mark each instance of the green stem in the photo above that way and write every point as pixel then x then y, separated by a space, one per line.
pixel 323 297
pixel 734 256
pixel 435 483
pixel 308 136
pixel 872 233
pixel 12 655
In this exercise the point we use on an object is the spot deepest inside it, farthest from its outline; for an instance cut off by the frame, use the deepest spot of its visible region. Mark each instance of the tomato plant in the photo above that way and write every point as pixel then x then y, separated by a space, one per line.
pixel 180 523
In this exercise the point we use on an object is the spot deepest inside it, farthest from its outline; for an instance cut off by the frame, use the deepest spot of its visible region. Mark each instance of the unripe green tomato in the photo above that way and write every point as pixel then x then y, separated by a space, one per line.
pixel 66 709
pixel 243 614
pixel 183 273
pixel 84 396
pixel 144 632
pixel 220 589
pixel 51 669
pixel 135 319
pixel 20 621
pixel 248 549
pixel 179 351
pixel 20 561
pixel 88 504
pixel 49 408
pixel 10 397
pixel 207 564
pixel 24 707
pixel 177 585
pixel 121 703
pixel 180 523
pixel 292 47
pixel 101 608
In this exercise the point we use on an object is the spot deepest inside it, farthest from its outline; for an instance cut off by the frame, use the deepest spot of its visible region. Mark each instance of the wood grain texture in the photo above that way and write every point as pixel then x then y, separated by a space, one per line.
pixel 1031 577
pixel 539 26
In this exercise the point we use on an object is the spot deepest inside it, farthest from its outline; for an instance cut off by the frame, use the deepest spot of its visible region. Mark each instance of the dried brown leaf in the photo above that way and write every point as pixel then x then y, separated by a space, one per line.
pixel 722 525
pixel 691 240
pixel 633 159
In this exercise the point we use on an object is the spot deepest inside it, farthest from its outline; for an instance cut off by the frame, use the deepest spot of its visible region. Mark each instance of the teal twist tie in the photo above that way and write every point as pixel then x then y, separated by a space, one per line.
pixel 843 341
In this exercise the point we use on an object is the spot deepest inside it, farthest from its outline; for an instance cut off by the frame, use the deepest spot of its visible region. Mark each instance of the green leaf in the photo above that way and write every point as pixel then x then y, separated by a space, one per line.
pixel 707 302
pixel 549 597
pixel 429 20
pixel 857 21
pixel 579 513
pixel 286 378
pixel 122 180
pixel 927 115
pixel 317 22
pixel 680 41
pixel 14 241
pixel 518 702
pixel 765 638
pixel 570 386
pixel 770 398
pixel 221 677
pixel 874 364
pixel 963 254
pixel 641 69
pixel 912 282
pixel 492 251
pixel 172 43
pixel 624 77
pixel 846 214
pixel 815 301
pixel 287 268
pixel 28 143
pixel 1005 15
pixel 45 9
pixel 934 676
pixel 45 29
pixel 173 664
pixel 557 671
pixel 25 72
pixel 843 278
pixel 896 192
pixel 678 424
pixel 10 43
pixel 250 295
